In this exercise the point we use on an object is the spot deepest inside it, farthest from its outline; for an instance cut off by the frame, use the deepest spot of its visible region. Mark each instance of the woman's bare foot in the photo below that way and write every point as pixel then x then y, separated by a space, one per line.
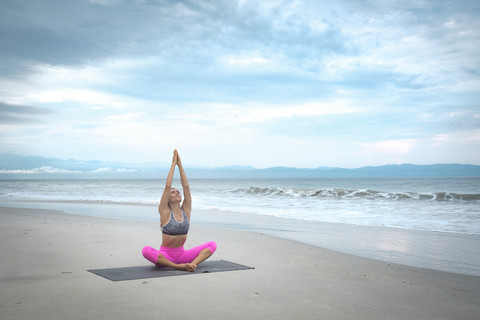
pixel 187 267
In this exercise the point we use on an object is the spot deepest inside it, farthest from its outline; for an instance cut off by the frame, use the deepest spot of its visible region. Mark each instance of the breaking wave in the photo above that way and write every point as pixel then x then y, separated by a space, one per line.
pixel 352 194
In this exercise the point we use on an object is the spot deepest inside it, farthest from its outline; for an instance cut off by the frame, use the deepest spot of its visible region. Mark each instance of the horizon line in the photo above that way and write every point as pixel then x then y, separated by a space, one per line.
pixel 229 166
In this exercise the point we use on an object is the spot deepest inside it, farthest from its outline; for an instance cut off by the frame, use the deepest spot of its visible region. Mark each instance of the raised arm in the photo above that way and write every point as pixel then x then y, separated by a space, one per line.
pixel 163 206
pixel 187 201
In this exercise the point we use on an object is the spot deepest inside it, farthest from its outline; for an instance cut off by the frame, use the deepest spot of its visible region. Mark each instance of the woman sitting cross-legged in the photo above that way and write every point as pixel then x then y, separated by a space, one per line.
pixel 175 222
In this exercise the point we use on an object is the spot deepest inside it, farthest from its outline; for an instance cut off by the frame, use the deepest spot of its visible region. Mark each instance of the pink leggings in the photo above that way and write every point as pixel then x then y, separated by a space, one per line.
pixel 177 255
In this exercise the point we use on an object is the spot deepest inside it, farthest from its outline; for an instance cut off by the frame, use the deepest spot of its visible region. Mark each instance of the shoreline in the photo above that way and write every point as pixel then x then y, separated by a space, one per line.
pixel 451 252
pixel 45 277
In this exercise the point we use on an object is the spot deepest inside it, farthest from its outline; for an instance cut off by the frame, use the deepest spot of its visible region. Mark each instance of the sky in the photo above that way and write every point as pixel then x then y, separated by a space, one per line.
pixel 262 83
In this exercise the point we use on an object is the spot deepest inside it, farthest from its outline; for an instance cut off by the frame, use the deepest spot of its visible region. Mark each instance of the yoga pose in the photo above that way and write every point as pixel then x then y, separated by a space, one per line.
pixel 175 222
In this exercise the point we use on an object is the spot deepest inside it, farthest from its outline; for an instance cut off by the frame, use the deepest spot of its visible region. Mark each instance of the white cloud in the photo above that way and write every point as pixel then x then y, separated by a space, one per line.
pixel 108 169
pixel 238 115
pixel 86 97
pixel 125 117
pixel 49 170
pixel 314 109
pixel 73 76
pixel 39 170
pixel 246 61
pixel 398 147
pixel 459 138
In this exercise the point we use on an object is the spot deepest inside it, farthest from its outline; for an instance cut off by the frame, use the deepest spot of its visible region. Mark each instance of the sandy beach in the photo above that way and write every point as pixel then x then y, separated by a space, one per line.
pixel 45 256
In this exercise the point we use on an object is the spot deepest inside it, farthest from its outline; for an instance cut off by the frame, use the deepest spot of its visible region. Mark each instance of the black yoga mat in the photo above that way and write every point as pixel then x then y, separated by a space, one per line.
pixel 143 272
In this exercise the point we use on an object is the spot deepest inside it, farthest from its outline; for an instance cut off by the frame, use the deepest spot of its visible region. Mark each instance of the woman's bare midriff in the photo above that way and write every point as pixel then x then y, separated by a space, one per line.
pixel 173 241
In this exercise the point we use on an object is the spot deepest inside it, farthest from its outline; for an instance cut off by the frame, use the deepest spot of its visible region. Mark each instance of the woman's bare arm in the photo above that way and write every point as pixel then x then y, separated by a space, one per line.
pixel 163 206
pixel 187 201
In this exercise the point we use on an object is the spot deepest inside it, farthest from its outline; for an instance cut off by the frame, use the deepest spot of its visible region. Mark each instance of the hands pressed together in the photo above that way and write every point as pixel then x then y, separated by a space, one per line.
pixel 176 158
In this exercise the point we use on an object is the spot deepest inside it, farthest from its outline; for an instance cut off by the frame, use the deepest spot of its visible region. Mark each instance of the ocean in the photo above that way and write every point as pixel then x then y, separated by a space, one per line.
pixel 442 207
pixel 434 204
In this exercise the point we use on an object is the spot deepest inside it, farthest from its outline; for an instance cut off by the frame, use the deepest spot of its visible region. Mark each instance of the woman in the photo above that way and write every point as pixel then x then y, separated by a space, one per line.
pixel 175 222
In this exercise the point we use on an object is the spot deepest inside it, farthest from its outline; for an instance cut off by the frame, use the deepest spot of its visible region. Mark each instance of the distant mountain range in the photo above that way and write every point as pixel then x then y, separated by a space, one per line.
pixel 34 167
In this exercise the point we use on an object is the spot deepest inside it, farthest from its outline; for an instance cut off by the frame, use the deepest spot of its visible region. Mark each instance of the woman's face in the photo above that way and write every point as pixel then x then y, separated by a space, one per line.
pixel 175 196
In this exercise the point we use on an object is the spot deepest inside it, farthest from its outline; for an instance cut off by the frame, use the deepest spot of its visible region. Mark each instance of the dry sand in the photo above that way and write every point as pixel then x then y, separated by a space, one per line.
pixel 45 255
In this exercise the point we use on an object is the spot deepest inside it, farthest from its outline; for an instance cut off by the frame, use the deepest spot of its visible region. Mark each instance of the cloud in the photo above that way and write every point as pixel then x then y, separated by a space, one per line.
pixel 85 97
pixel 108 169
pixel 70 33
pixel 398 147
pixel 289 41
pixel 452 119
pixel 309 109
pixel 38 170
pixel 73 33
pixel 18 114
pixel 136 78
pixel 458 138
pixel 49 169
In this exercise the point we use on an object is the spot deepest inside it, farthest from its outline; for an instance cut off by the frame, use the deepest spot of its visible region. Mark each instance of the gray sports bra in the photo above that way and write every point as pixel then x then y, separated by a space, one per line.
pixel 173 227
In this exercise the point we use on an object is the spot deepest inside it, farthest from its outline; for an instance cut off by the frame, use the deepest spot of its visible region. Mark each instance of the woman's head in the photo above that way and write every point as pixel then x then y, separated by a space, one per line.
pixel 175 196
